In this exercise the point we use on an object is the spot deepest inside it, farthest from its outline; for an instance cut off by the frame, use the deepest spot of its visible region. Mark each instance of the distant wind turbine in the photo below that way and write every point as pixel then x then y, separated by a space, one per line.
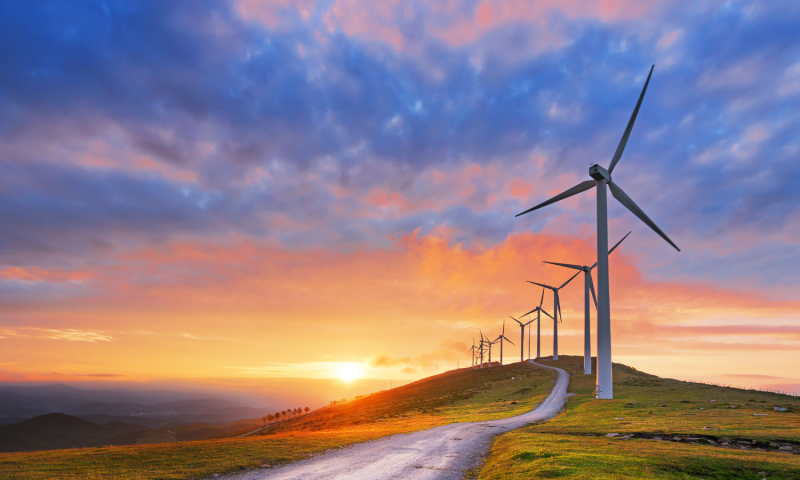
pixel 472 349
pixel 500 339
pixel 588 287
pixel 539 310
pixel 556 311
pixel 600 178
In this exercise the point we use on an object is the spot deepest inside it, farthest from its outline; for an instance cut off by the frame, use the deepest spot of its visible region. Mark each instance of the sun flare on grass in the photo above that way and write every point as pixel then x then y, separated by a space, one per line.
pixel 349 372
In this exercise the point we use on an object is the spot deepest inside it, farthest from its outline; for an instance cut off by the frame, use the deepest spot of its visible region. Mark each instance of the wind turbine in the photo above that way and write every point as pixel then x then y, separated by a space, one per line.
pixel 538 311
pixel 472 349
pixel 522 338
pixel 600 178
pixel 556 311
pixel 588 287
pixel 487 345
pixel 500 339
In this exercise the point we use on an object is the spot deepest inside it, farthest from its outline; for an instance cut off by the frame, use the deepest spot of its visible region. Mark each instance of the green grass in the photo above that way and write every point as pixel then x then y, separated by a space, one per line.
pixel 457 396
pixel 573 445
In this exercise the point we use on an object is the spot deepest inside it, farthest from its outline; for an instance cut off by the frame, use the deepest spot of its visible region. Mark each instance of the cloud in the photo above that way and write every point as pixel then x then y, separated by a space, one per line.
pixel 386 361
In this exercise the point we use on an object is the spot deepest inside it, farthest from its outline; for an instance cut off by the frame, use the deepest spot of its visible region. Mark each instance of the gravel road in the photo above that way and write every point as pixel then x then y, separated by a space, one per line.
pixel 438 453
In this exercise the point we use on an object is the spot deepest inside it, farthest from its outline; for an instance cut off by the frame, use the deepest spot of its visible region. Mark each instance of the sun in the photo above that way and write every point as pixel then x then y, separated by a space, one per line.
pixel 348 372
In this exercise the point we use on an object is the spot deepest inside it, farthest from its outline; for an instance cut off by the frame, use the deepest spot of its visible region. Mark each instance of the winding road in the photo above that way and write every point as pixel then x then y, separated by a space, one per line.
pixel 438 453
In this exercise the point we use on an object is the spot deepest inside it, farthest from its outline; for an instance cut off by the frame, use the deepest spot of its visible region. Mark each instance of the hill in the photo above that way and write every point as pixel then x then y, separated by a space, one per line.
pixel 572 445
pixel 460 395
pixel 660 427
pixel 57 430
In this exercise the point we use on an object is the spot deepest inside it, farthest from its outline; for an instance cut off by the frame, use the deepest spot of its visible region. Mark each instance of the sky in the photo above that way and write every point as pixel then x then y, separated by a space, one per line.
pixel 251 193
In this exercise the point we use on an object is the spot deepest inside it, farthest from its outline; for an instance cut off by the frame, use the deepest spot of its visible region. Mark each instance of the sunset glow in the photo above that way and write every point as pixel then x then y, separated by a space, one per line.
pixel 349 372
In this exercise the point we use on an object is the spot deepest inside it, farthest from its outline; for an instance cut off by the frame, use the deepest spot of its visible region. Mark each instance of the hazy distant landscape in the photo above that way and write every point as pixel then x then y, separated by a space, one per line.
pixel 60 416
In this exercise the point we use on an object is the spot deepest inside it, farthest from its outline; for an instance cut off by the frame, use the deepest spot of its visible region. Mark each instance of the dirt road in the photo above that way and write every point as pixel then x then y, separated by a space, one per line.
pixel 439 453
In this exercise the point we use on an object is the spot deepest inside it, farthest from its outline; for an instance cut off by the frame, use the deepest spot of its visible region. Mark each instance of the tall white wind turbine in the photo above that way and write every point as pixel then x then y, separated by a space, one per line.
pixel 500 339
pixel 556 311
pixel 539 310
pixel 600 178
pixel 588 287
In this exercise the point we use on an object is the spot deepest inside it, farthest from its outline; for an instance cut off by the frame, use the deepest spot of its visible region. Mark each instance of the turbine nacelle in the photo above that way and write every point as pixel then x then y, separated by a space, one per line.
pixel 599 173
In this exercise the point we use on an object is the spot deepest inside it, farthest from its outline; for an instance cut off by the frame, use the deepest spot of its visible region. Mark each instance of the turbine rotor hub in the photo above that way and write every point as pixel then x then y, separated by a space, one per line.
pixel 599 173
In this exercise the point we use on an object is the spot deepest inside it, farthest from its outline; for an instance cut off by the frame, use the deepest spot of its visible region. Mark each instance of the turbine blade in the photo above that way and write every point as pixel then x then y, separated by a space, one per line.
pixel 528 312
pixel 565 283
pixel 624 199
pixel 542 300
pixel 617 244
pixel 545 312
pixel 512 318
pixel 591 288
pixel 567 265
pixel 509 341
pixel 558 304
pixel 612 249
pixel 624 140
pixel 581 187
pixel 544 286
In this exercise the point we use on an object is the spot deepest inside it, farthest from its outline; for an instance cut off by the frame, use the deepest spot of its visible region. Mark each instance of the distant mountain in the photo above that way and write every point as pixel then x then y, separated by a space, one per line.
pixel 57 430
pixel 18 403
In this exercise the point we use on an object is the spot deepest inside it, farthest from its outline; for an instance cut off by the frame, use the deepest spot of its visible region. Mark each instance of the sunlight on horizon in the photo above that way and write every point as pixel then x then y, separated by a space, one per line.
pixel 349 372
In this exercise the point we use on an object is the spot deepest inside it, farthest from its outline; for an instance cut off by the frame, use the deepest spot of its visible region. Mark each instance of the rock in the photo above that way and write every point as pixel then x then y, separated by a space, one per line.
pixel 759 450
pixel 657 438
pixel 774 445
pixel 677 439
pixel 723 444
pixel 619 418
pixel 612 434
pixel 785 448
pixel 711 442
pixel 725 440
pixel 763 474
pixel 733 406
pixel 781 409
pixel 743 441
pixel 627 437
pixel 691 439
pixel 760 414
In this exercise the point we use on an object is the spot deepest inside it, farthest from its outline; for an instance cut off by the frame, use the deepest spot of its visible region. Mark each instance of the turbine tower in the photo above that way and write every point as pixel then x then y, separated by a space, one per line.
pixel 556 311
pixel 538 319
pixel 600 178
pixel 481 344
pixel 472 349
pixel 522 338
pixel 588 287
pixel 539 310
pixel 500 339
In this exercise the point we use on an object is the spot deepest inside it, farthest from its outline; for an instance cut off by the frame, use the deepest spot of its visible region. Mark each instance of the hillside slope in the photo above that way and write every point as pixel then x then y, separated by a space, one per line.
pixel 462 395
pixel 661 428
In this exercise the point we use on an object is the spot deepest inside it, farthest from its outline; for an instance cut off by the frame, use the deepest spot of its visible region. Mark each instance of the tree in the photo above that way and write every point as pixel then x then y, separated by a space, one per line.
pixel 270 417
pixel 264 421
pixel 307 409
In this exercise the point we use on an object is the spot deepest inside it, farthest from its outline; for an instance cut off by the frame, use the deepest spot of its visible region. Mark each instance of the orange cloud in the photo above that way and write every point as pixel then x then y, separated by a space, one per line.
pixel 202 308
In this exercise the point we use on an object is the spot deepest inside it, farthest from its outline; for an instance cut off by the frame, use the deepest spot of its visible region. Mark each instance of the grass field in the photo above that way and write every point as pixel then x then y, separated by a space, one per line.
pixel 457 396
pixel 574 445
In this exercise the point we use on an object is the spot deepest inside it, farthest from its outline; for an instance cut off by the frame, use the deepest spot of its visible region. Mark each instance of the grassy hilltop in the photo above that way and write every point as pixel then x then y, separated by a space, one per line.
pixel 575 445
pixel 456 396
